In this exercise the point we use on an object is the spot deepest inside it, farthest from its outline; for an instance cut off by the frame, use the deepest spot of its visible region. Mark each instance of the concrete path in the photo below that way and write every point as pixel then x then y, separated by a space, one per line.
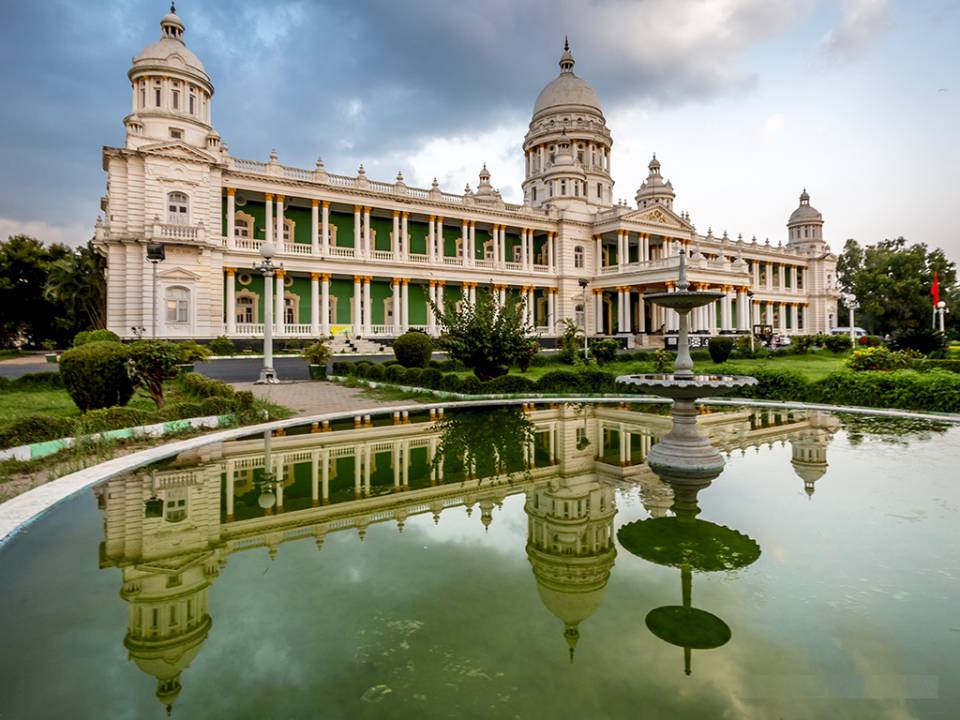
pixel 314 398
pixel 15 367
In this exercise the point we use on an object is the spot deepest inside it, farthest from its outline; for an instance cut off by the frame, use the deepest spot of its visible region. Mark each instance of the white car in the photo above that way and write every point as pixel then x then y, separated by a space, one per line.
pixel 780 340
pixel 857 331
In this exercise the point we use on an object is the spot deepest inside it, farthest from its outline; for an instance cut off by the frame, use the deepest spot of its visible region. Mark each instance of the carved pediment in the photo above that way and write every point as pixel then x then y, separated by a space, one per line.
pixel 658 216
pixel 179 150
pixel 174 565
pixel 179 273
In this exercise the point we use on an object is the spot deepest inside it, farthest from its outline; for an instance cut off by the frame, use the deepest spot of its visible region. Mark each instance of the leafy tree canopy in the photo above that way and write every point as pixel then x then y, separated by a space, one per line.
pixel 892 280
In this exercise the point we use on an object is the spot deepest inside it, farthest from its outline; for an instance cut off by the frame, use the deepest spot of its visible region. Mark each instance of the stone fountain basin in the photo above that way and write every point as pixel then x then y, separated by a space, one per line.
pixel 687 387
pixel 683 300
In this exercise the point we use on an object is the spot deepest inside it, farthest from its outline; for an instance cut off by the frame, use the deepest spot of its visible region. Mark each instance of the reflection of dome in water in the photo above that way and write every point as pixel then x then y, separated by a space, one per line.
pixel 570 548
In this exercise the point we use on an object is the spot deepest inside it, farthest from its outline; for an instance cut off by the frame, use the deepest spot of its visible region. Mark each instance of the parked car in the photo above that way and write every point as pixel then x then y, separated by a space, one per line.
pixel 857 331
pixel 780 341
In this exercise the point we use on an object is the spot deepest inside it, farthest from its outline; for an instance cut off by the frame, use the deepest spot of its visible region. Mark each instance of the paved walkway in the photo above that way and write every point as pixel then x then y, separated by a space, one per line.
pixel 314 398
pixel 15 367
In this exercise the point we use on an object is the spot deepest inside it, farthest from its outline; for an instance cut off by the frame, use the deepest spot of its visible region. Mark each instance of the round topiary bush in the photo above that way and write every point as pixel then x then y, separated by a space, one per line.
pixel 430 378
pixel 222 346
pixel 182 410
pixel 471 385
pixel 217 406
pixel 720 349
pixel 412 376
pixel 557 381
pixel 413 349
pixel 604 351
pixel 451 382
pixel 95 375
pixel 376 372
pixel 89 336
pixel 396 373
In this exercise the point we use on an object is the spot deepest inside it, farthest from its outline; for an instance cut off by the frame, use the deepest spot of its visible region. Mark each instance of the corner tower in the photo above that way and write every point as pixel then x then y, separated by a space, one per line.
pixel 567 147
pixel 172 93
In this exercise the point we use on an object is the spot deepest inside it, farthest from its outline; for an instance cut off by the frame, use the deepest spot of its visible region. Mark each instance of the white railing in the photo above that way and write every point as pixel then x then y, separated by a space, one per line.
pixel 382 255
pixel 246 243
pixel 297 329
pixel 177 232
pixel 341 251
pixel 248 329
pixel 297 249
pixel 484 263
pixel 419 259
pixel 452 261
pixel 381 330
pixel 298 174
pixel 250 166
pixel 541 268
pixel 513 266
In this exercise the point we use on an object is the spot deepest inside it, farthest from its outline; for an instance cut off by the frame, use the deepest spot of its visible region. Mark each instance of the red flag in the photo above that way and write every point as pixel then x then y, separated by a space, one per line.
pixel 935 289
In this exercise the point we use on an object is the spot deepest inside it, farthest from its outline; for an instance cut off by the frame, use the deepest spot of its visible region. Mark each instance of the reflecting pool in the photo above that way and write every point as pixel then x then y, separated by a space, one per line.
pixel 501 563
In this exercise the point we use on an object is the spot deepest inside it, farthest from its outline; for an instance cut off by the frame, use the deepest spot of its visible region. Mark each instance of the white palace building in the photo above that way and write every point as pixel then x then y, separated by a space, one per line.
pixel 361 257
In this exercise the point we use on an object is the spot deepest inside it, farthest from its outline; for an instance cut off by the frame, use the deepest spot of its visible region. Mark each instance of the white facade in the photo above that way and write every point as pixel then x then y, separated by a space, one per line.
pixel 361 256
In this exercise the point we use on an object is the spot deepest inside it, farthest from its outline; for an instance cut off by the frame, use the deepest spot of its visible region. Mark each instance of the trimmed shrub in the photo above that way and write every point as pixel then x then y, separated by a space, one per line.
pixel 508 384
pixel 662 361
pixel 604 351
pixel 879 358
pixel 700 355
pixel 342 368
pixel 218 405
pixel 181 411
pixel 151 363
pixel 396 373
pixel 776 385
pixel 245 400
pixel 451 382
pixel 113 418
pixel 800 344
pixel 203 386
pixel 317 353
pixel 870 341
pixel 926 365
pixel 413 376
pixel 95 375
pixel 559 381
pixel 34 428
pixel 89 336
pixel 836 343
pixel 376 372
pixel 361 368
pixel 222 346
pixel 413 349
pixel 430 378
pixel 923 340
pixel 29 381
pixel 720 349
pixel 191 351
pixel 471 385
pixel 593 380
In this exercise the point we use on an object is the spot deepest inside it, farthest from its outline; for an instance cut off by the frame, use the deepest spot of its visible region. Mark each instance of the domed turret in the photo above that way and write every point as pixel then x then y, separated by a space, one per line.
pixel 567 147
pixel 805 226
pixel 655 191
pixel 171 92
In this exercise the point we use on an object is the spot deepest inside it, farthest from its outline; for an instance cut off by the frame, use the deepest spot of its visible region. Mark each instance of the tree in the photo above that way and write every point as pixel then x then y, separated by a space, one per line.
pixel 486 337
pixel 151 363
pixel 892 280
pixel 78 281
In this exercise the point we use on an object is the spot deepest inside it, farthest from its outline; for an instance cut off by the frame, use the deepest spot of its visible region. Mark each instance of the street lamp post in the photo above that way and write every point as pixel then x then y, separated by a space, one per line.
pixel 583 288
pixel 850 300
pixel 268 376
pixel 156 254
pixel 749 315
pixel 942 309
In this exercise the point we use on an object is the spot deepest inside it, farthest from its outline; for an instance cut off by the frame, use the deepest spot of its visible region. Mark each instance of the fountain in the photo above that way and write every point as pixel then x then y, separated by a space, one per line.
pixel 684 452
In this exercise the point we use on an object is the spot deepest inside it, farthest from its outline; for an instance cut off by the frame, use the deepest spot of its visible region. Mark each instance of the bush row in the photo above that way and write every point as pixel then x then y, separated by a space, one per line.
pixel 206 387
pixel 934 390
pixel 32 381
pixel 38 428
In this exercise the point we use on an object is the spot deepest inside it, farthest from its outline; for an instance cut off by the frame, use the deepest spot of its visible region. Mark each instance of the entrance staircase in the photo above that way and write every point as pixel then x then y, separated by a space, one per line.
pixel 342 345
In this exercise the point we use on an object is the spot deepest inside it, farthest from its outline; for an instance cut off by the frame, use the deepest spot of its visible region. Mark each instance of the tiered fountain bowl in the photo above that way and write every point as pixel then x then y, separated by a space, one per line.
pixel 684 451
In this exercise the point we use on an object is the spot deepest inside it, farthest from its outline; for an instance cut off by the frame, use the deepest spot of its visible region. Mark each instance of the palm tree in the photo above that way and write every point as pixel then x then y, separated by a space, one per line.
pixel 78 281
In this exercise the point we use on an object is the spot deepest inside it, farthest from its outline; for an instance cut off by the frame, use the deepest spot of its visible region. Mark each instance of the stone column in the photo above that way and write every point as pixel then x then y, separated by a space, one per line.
pixel 532 306
pixel 231 216
pixel 281 243
pixel 367 238
pixel 314 478
pixel 405 304
pixel 431 243
pixel 404 236
pixel 314 303
pixel 325 303
pixel 769 280
pixel 793 318
pixel 268 217
pixel 627 314
pixel 431 320
pixel 440 300
pixel 465 242
pixel 324 477
pixel 230 480
pixel 756 312
pixel 551 250
pixel 598 311
pixel 395 240
pixel 551 311
pixel 325 228
pixel 793 280
pixel 315 227
pixel 438 237
pixel 473 243
pixel 357 307
pixel 279 307
pixel 395 286
pixel 231 302
pixel 473 294
pixel 357 245
pixel 367 306
pixel 523 249
pixel 641 314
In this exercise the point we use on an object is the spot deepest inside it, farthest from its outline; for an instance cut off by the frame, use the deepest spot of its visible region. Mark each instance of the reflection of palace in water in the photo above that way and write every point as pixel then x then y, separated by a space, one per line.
pixel 171 530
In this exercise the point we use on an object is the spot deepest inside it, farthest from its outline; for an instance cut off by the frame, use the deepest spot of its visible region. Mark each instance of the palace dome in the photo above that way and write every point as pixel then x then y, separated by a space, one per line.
pixel 170 51
pixel 805 213
pixel 566 89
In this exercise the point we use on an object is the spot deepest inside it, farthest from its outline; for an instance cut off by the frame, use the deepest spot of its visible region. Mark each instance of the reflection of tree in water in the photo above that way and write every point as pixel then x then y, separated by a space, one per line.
pixel 889 430
pixel 487 442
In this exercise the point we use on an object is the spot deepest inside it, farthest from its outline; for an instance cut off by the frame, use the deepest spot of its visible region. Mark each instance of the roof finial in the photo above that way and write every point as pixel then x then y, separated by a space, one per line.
pixel 566 42
pixel 566 59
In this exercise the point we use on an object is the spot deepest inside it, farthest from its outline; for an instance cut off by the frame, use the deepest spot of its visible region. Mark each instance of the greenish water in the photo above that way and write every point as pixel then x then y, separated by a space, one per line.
pixel 501 564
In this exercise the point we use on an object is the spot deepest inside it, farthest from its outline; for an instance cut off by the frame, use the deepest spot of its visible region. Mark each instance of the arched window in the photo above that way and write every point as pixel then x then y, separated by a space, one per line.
pixel 178 305
pixel 246 309
pixel 291 308
pixel 177 209
pixel 578 256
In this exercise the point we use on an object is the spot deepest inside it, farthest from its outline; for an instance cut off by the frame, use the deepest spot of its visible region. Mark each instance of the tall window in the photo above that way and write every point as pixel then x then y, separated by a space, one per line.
pixel 799 278
pixel 245 309
pixel 175 96
pixel 578 257
pixel 289 311
pixel 143 94
pixel 193 102
pixel 177 208
pixel 534 193
pixel 156 94
pixel 178 305
pixel 599 191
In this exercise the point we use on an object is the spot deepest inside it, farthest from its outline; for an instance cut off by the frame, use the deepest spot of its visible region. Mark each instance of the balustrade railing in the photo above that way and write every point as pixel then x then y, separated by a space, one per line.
pixel 341 251
pixel 297 249
pixel 177 232
pixel 382 255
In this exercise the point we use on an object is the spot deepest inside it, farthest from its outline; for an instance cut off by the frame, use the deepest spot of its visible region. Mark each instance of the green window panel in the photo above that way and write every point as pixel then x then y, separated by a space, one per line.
pixel 417 296
pixel 383 229
pixel 344 224
pixel 418 237
pixel 301 288
pixel 450 235
pixel 302 223
pixel 483 237
pixel 379 291
pixel 342 290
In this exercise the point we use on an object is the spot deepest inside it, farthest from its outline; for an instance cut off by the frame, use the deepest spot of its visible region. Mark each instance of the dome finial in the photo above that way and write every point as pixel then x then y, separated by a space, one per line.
pixel 566 60
pixel 173 8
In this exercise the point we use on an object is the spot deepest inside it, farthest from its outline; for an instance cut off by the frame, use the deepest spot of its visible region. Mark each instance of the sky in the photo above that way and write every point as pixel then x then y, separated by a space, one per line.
pixel 745 102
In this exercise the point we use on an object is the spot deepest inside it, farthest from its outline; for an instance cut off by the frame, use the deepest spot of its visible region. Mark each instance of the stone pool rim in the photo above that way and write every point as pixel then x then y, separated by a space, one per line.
pixel 18 513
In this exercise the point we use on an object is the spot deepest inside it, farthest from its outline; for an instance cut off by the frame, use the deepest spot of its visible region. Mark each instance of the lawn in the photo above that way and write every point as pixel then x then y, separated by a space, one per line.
pixel 812 366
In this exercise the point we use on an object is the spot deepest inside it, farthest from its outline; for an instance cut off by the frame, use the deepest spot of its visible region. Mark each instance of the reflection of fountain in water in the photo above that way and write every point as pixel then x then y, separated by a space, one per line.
pixel 692 545
pixel 684 451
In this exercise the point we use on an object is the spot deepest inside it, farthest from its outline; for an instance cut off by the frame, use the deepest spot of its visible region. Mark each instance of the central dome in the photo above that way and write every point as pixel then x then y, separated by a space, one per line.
pixel 566 90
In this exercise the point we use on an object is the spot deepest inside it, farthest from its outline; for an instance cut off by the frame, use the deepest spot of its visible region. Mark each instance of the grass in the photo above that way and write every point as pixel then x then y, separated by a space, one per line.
pixel 57 402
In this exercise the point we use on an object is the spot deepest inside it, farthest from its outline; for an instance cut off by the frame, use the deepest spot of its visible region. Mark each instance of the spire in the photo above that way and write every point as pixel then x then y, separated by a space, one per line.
pixel 566 60
pixel 171 25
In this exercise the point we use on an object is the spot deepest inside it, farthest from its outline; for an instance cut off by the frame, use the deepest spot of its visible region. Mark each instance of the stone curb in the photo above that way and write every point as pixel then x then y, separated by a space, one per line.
pixel 48 447
pixel 18 512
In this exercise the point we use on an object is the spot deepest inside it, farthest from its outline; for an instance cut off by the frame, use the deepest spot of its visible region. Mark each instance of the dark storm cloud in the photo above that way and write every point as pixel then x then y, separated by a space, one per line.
pixel 345 80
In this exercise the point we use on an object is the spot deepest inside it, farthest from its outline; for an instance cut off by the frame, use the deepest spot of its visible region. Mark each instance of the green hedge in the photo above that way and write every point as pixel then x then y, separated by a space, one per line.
pixel 31 381
pixel 89 336
pixel 34 428
pixel 95 375
pixel 926 364
pixel 204 387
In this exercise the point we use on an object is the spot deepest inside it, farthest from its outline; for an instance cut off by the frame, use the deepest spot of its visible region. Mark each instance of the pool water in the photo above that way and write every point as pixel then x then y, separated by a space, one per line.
pixel 470 565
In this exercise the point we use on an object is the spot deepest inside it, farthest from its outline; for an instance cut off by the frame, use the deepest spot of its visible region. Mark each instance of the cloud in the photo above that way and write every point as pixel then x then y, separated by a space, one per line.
pixel 861 22
pixel 73 234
